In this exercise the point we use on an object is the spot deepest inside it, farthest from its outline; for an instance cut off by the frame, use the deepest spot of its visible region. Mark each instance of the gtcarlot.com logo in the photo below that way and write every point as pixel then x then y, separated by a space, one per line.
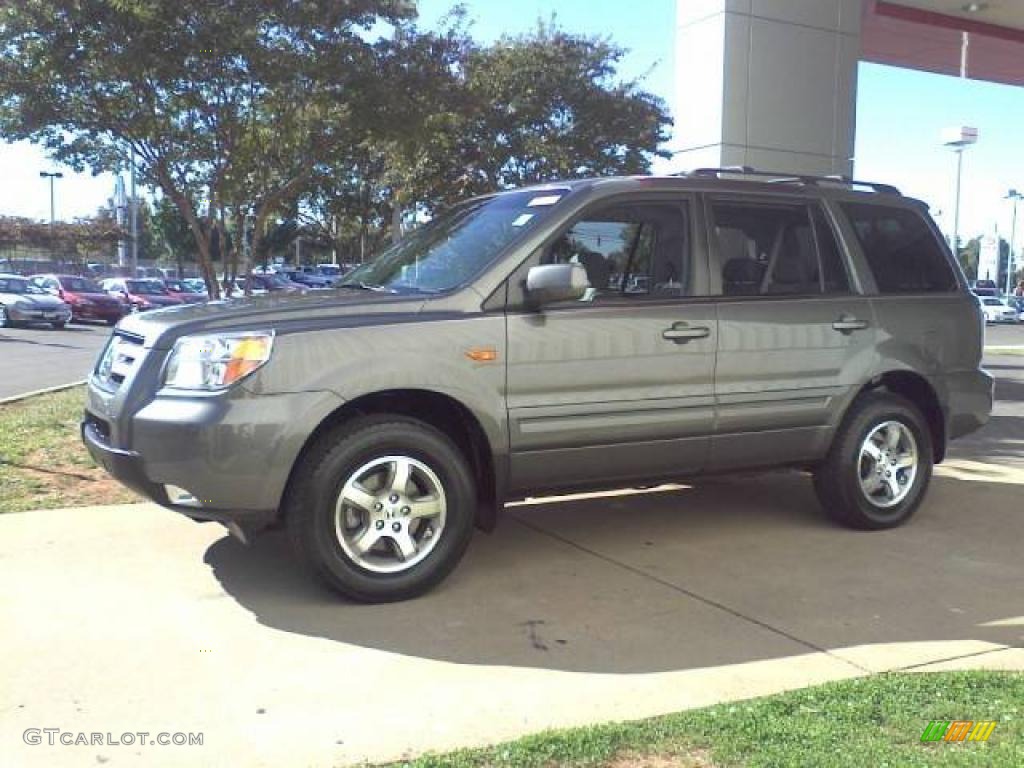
pixel 56 737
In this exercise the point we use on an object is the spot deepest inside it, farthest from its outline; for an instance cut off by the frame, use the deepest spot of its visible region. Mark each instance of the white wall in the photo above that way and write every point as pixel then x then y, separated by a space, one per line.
pixel 767 83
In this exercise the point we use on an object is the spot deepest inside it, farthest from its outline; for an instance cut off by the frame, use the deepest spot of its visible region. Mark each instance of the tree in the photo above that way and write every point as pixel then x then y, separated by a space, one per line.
pixel 227 107
pixel 466 119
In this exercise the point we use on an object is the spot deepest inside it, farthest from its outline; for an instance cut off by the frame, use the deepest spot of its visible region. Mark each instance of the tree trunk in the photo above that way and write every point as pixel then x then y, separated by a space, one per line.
pixel 202 237
pixel 396 221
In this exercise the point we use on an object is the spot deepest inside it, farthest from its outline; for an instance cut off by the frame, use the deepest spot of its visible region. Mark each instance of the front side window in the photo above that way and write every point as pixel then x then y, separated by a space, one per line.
pixel 776 250
pixel 456 245
pixel 78 285
pixel 901 250
pixel 629 251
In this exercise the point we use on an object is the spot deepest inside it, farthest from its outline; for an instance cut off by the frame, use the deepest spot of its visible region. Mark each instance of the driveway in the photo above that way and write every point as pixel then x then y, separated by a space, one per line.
pixel 127 619
pixel 37 357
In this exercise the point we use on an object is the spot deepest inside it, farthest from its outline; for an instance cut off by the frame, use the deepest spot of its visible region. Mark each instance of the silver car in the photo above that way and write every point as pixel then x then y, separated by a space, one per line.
pixel 600 333
pixel 23 302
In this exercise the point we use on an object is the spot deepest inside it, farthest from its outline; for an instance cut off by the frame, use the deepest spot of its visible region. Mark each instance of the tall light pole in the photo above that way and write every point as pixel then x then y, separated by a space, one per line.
pixel 1015 196
pixel 958 139
pixel 51 177
pixel 134 212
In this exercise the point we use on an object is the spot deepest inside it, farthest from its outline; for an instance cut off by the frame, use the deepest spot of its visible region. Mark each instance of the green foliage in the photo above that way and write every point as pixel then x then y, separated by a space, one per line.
pixel 246 111
pixel 78 239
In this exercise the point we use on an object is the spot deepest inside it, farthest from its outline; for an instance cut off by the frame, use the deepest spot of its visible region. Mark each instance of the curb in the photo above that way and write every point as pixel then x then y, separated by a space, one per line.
pixel 1019 348
pixel 44 391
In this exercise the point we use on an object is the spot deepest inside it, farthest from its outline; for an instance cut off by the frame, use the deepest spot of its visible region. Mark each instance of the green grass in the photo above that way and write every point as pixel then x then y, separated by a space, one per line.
pixel 42 460
pixel 874 721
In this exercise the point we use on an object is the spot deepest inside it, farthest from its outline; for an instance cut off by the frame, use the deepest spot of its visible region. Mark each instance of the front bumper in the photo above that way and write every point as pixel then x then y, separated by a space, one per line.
pixel 38 315
pixel 232 452
pixel 98 312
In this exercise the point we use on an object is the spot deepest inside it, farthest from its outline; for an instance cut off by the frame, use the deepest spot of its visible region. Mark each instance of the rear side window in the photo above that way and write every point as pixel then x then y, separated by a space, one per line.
pixel 901 250
pixel 769 249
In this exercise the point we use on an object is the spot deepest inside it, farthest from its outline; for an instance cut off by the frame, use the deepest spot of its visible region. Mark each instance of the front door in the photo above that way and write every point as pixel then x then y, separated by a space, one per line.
pixel 617 386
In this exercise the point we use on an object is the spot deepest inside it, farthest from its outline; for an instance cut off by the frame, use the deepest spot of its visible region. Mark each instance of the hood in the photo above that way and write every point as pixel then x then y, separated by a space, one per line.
pixel 158 299
pixel 96 298
pixel 45 301
pixel 281 311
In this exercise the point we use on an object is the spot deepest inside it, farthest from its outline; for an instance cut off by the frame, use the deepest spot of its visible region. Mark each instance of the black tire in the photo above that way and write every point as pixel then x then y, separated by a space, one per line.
pixel 111 322
pixel 324 469
pixel 5 320
pixel 837 480
pixel 58 326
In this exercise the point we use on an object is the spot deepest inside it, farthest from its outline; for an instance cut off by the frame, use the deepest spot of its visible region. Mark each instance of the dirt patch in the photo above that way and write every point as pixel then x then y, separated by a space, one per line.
pixel 690 758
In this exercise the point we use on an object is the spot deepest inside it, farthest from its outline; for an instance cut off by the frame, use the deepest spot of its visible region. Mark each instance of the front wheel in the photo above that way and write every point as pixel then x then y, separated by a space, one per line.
pixel 382 508
pixel 5 320
pixel 58 326
pixel 879 466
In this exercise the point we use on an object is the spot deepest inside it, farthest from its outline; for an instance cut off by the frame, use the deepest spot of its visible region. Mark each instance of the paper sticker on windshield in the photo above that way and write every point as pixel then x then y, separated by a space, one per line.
pixel 523 218
pixel 543 200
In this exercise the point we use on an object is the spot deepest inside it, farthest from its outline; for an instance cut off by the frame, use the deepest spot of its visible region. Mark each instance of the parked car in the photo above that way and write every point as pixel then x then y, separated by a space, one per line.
pixel 998 311
pixel 141 295
pixel 22 301
pixel 88 301
pixel 269 283
pixel 785 321
pixel 312 281
pixel 184 290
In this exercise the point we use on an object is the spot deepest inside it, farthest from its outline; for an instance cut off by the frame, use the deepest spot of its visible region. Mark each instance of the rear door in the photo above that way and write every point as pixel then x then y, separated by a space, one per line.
pixel 794 335
pixel 617 386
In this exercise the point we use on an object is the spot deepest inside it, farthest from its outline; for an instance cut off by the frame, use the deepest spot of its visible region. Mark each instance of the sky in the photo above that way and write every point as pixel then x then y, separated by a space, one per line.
pixel 900 116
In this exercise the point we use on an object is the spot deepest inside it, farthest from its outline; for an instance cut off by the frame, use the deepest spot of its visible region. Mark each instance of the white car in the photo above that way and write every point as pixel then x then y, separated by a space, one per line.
pixel 997 310
pixel 22 301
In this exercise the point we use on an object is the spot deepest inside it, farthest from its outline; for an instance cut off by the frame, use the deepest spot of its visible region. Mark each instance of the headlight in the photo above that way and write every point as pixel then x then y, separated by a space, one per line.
pixel 216 361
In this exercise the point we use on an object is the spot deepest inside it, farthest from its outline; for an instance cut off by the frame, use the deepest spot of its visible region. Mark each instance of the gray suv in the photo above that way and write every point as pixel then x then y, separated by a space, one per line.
pixel 580 335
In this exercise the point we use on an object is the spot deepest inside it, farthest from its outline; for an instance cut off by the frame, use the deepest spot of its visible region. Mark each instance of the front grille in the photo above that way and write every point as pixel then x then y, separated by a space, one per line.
pixel 123 352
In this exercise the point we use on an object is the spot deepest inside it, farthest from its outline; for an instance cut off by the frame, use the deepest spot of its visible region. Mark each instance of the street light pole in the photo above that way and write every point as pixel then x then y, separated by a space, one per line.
pixel 1015 196
pixel 51 177
pixel 134 210
pixel 958 139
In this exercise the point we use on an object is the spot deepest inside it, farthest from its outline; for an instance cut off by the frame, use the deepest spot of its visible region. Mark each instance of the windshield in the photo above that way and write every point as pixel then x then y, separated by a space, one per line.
pixel 456 245
pixel 329 269
pixel 19 285
pixel 146 287
pixel 79 285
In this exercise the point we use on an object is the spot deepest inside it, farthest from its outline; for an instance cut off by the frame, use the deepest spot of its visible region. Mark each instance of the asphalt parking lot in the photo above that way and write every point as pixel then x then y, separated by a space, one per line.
pixel 36 357
pixel 576 610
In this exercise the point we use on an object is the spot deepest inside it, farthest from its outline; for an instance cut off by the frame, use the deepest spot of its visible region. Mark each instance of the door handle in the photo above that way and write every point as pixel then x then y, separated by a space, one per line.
pixel 849 324
pixel 680 333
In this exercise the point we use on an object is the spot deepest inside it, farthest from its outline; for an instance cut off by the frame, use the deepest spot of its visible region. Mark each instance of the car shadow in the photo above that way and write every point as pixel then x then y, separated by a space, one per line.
pixel 724 572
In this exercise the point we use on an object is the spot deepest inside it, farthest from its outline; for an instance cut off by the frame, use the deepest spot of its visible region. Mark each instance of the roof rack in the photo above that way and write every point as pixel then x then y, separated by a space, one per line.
pixel 793 178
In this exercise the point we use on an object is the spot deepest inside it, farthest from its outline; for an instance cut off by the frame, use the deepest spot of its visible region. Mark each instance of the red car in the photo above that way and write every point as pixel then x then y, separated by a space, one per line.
pixel 87 299
pixel 141 294
pixel 179 289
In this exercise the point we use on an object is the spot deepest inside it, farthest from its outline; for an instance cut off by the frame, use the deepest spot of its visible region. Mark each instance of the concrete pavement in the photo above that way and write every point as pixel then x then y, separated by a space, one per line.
pixel 129 619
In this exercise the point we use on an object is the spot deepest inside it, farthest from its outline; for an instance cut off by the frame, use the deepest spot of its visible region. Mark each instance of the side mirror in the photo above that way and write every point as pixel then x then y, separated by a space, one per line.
pixel 550 283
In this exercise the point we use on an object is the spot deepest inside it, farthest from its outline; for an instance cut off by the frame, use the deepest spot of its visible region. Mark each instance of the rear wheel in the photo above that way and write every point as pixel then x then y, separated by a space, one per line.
pixel 879 466
pixel 58 326
pixel 383 508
